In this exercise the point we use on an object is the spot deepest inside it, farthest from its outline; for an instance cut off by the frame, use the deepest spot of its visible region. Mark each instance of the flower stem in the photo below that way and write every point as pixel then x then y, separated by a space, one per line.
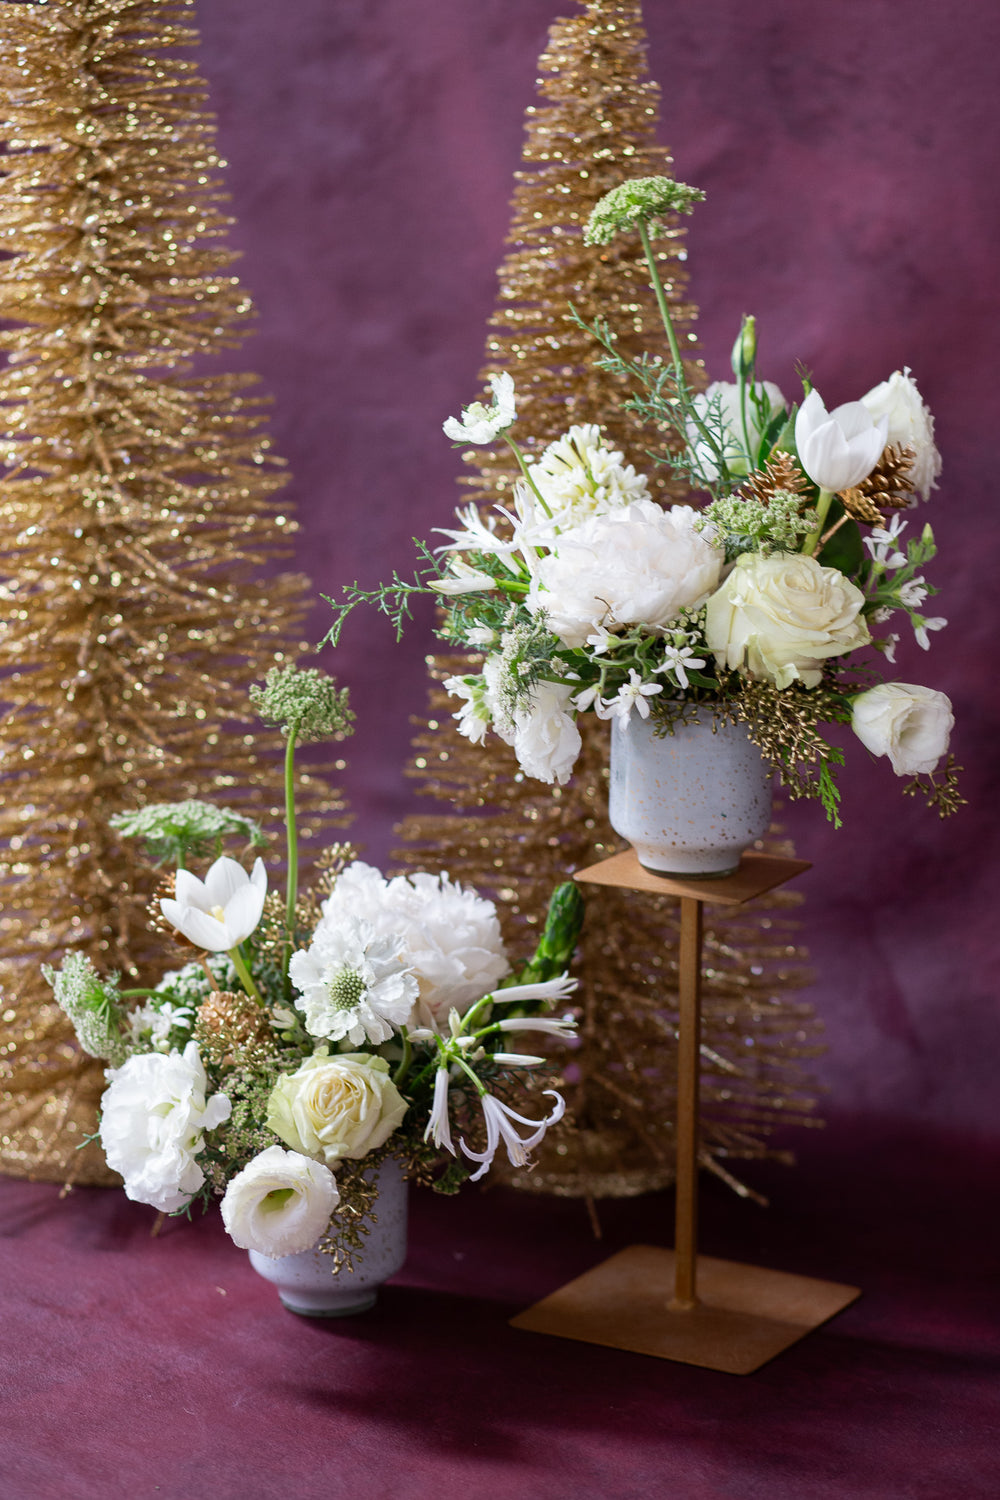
pixel 407 1058
pixel 291 852
pixel 822 511
pixel 243 973
pixel 661 301
pixel 524 470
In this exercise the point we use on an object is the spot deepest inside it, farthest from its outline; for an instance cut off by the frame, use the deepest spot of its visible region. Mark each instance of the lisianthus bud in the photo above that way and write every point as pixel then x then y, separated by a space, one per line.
pixel 744 354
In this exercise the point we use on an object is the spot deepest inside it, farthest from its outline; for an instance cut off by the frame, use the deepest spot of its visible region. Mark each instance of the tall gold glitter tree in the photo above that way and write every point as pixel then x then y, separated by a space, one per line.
pixel 137 514
pixel 595 126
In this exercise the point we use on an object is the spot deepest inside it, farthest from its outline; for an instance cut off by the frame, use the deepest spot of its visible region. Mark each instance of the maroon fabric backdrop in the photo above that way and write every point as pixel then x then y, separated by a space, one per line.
pixel 848 156
pixel 848 153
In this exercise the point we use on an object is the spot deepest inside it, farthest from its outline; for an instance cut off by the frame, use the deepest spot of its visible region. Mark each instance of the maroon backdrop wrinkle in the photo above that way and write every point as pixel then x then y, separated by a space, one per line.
pixel 848 153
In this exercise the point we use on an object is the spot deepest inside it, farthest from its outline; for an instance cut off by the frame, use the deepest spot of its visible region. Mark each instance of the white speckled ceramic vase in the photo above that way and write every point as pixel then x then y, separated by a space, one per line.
pixel 308 1284
pixel 690 802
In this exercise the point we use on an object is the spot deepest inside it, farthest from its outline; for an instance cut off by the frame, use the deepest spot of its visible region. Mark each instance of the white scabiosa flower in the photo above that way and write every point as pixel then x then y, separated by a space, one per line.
pixel 838 448
pixel 354 983
pixel 450 935
pixel 154 1115
pixel 280 1203
pixel 220 911
pixel 481 424
pixel 910 425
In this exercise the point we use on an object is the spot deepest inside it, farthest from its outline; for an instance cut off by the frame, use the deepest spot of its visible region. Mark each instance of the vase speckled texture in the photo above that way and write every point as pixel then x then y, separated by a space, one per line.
pixel 307 1283
pixel 690 802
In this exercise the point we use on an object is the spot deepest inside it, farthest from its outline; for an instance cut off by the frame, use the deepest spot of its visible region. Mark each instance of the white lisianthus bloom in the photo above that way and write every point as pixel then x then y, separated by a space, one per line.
pixel 838 448
pixel 579 475
pixel 481 424
pixel 336 1108
pixel 639 565
pixel 719 408
pixel 910 425
pixel 154 1115
pixel 220 911
pixel 451 939
pixel 546 739
pixel 500 1125
pixel 777 618
pixel 354 983
pixel 910 724
pixel 280 1203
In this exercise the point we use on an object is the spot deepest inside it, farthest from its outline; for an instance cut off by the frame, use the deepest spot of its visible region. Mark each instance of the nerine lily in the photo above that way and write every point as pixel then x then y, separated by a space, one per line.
pixel 500 1125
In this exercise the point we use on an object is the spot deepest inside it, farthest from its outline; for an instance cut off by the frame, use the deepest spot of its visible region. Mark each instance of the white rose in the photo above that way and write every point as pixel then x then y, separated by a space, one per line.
pixel 546 739
pixel 910 425
pixel 723 397
pixel 280 1203
pixel 451 939
pixel 639 565
pixel 153 1117
pixel 776 617
pixel 910 724
pixel 336 1107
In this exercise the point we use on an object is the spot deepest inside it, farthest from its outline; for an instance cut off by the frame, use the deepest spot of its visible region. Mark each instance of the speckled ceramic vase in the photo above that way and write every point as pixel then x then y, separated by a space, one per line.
pixel 307 1283
pixel 690 802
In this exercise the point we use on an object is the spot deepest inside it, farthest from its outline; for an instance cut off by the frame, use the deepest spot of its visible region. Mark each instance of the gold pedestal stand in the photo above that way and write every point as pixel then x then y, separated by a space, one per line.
pixel 671 1303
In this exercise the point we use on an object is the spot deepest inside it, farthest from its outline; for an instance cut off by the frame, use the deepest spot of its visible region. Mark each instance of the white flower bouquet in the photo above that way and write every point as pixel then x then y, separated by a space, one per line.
pixel 584 594
pixel 308 1038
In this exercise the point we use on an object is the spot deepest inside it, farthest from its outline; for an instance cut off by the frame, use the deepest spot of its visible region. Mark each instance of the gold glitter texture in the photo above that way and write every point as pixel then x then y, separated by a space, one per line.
pixel 594 127
pixel 138 513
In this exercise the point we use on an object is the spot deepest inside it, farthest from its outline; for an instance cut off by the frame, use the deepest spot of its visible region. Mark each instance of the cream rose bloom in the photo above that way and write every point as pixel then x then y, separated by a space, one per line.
pixel 337 1107
pixel 280 1203
pixel 910 724
pixel 154 1115
pixel 639 565
pixel 777 617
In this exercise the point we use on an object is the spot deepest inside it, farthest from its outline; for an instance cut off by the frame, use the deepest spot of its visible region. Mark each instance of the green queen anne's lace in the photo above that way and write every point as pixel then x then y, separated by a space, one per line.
pixel 643 199
pixel 304 703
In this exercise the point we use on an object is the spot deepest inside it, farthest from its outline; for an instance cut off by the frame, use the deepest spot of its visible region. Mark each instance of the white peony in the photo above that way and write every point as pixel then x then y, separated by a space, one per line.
pixel 910 425
pixel 336 1108
pixel 451 939
pixel 779 617
pixel 838 448
pixel 354 983
pixel 154 1115
pixel 280 1203
pixel 723 398
pixel 220 911
pixel 546 740
pixel 639 565
pixel 910 724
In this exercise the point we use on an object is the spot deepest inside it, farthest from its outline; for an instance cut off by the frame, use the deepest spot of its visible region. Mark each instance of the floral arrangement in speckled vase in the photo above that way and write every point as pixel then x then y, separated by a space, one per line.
pixel 311 1040
pixel 746 612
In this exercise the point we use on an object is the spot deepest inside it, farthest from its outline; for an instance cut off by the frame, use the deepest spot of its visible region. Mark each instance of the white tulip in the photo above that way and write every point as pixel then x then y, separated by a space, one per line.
pixel 220 911
pixel 909 723
pixel 839 448
pixel 910 425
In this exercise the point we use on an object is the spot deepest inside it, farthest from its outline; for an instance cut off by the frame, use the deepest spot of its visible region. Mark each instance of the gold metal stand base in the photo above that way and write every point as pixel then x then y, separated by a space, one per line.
pixel 744 1316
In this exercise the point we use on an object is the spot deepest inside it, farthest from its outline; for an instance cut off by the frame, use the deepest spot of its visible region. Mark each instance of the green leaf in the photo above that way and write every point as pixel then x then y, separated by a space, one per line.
pixel 845 549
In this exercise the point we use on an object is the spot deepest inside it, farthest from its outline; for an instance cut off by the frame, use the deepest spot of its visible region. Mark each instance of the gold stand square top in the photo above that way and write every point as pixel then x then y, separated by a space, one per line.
pixel 757 873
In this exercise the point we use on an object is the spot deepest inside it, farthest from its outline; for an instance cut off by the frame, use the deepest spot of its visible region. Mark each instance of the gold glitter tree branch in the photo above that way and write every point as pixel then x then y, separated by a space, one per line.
pixel 138 513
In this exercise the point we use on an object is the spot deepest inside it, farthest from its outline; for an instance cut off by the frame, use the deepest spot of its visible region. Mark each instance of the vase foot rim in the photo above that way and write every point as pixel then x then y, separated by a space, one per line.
pixel 690 874
pixel 364 1305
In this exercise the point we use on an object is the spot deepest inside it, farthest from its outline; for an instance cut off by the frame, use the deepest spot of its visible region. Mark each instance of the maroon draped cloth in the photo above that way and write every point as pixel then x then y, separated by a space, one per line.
pixel 848 156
